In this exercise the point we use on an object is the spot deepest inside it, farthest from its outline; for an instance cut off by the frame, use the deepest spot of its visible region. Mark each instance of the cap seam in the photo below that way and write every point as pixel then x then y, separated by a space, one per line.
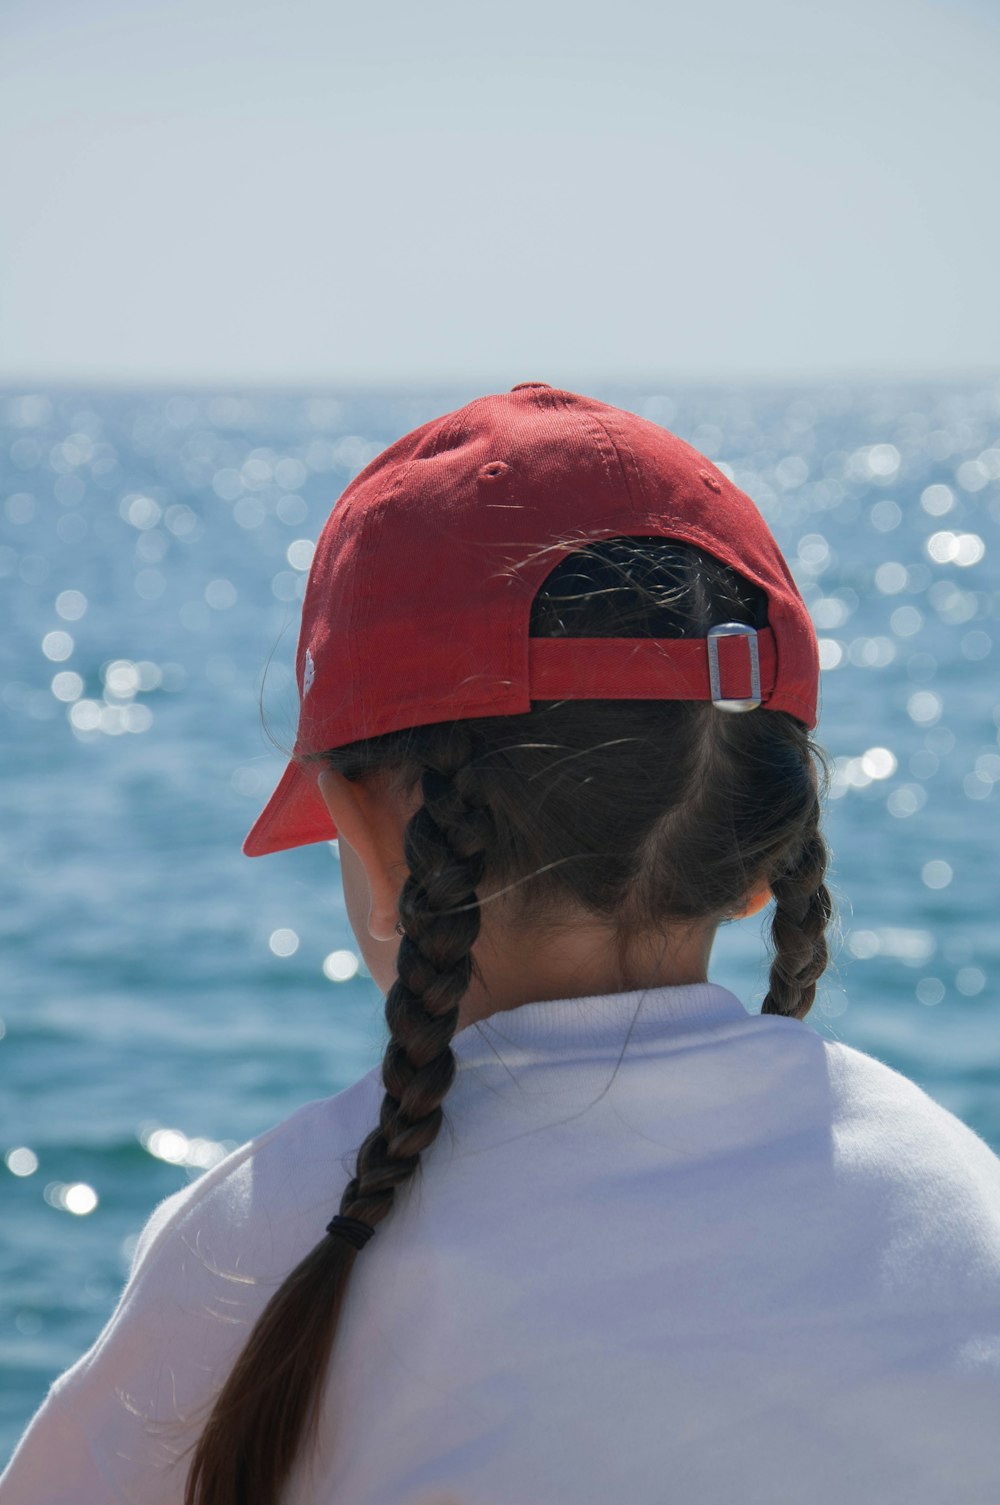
pixel 448 425
pixel 597 434
pixel 637 473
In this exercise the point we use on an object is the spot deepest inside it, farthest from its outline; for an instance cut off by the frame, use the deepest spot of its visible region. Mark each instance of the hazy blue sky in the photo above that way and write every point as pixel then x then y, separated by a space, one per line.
pixel 322 193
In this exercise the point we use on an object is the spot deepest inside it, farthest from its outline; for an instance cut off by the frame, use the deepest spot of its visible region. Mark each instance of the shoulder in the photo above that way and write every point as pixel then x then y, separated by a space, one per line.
pixel 890 1133
pixel 289 1171
pixel 865 1088
pixel 865 1096
pixel 210 1256
pixel 878 1121
pixel 892 1176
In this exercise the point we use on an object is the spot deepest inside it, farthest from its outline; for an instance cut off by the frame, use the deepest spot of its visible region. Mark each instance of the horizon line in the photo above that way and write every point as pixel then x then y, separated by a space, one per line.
pixel 20 383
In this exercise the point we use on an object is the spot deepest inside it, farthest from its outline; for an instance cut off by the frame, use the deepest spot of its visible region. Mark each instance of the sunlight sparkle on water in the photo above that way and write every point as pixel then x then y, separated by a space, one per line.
pixel 284 942
pixel 121 679
pixel 176 1148
pixel 71 605
pixel 76 1197
pixel 167 1144
pixel 249 781
pixel 937 873
pixel 85 716
pixel 249 512
pixel 924 707
pixel 874 462
pixel 291 510
pixel 912 947
pixel 963 549
pixel 287 585
pixel 906 800
pixel 973 475
pixel 180 520
pixel 886 515
pixel 937 500
pixel 21 1161
pixel 57 646
pixel 988 766
pixel 871 653
pixel 341 966
pixel 299 554
pixel 857 773
pixel 141 511
pixel 879 763
pixel 890 577
pixel 67 685
pixel 220 594
pixel 906 621
pixel 976 645
pixel 829 612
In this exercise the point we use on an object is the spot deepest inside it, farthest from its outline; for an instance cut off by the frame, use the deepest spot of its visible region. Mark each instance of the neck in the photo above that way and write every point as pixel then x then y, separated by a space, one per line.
pixel 515 964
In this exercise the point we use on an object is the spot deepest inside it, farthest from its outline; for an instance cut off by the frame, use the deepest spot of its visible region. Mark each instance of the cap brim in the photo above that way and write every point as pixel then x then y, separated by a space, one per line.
pixel 294 816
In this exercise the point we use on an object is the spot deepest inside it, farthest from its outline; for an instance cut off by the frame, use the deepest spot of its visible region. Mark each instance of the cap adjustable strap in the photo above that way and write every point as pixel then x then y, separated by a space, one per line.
pixel 734 666
pixel 722 635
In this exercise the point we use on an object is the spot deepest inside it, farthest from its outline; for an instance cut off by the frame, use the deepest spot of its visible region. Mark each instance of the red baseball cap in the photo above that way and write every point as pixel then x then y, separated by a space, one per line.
pixel 419 595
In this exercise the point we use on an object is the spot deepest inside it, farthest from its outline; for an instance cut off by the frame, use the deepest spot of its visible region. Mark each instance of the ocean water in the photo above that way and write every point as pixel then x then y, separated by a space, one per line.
pixel 165 997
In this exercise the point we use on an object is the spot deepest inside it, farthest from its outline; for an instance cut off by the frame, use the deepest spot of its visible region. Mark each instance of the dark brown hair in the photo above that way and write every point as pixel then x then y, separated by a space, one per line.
pixel 649 814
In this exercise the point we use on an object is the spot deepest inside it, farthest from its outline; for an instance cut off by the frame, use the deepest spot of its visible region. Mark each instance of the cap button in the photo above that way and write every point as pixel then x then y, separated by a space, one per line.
pixel 521 385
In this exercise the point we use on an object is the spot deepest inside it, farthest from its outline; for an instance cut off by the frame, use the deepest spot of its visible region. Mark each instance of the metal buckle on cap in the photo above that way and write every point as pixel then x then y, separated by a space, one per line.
pixel 729 630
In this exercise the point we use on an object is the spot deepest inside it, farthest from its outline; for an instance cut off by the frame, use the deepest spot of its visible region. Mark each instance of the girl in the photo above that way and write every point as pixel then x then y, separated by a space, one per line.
pixel 633 1243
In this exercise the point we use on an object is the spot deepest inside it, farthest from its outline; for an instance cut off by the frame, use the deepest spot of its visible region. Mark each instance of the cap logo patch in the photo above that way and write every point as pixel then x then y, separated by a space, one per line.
pixel 308 674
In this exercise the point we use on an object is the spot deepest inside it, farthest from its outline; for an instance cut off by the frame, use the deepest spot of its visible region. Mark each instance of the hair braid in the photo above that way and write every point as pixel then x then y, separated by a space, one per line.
pixel 445 854
pixel 803 907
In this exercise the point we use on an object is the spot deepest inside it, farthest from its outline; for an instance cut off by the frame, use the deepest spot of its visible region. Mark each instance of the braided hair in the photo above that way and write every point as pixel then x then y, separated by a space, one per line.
pixel 644 813
pixel 803 909
pixel 445 851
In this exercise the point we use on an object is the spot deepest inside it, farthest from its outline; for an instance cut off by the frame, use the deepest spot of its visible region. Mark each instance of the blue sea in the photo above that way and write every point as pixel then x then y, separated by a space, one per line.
pixel 165 997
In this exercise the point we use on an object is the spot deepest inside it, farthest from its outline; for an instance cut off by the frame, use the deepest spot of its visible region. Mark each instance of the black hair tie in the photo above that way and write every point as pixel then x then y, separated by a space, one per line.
pixel 351 1229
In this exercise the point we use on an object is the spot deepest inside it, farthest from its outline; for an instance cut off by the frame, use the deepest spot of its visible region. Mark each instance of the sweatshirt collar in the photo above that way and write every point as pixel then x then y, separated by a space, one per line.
pixel 603 1020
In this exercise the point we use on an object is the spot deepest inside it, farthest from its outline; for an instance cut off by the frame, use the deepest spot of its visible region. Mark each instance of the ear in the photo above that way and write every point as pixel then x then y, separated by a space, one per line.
pixel 371 821
pixel 754 904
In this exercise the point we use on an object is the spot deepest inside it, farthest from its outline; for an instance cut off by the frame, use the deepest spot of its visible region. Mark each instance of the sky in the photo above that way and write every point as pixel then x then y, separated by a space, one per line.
pixel 310 193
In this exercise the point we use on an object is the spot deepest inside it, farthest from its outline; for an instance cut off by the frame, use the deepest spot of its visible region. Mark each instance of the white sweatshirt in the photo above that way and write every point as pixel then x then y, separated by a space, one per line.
pixel 662 1251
